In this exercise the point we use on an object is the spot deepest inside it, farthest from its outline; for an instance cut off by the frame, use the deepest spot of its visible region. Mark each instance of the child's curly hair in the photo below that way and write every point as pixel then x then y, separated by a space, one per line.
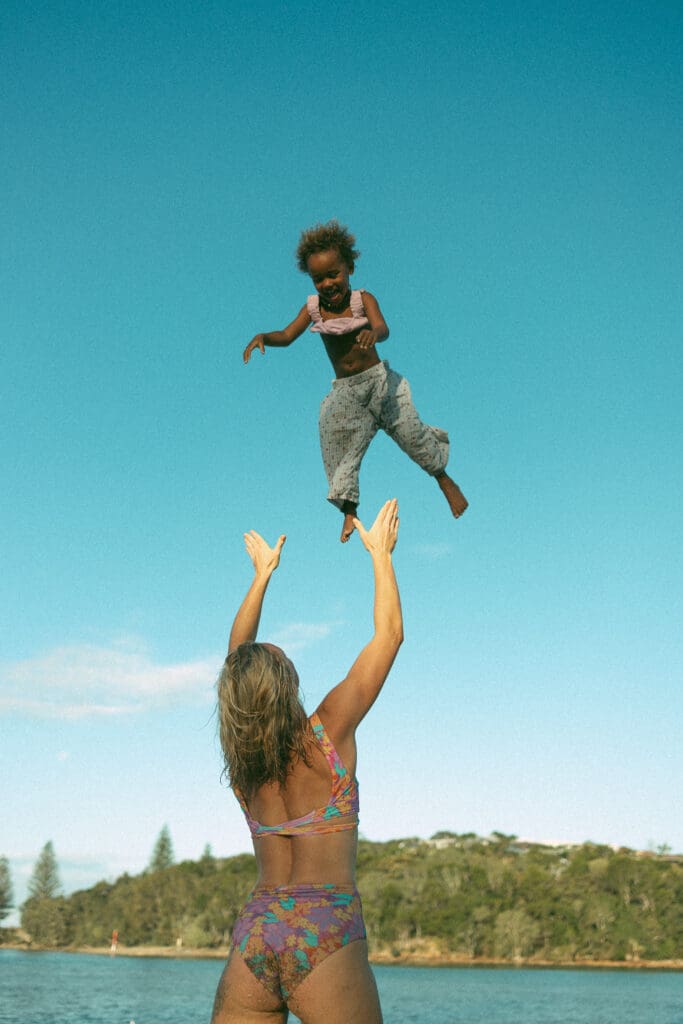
pixel 322 237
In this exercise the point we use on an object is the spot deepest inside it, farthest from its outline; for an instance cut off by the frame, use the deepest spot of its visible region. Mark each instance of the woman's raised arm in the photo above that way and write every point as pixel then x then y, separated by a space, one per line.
pixel 348 703
pixel 266 561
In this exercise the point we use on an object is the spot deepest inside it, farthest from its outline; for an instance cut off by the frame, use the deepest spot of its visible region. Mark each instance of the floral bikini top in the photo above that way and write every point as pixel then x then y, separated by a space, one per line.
pixel 339 814
pixel 342 324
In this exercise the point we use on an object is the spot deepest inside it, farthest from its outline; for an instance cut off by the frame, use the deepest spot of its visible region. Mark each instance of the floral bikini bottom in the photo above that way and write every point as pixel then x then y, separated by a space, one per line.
pixel 284 931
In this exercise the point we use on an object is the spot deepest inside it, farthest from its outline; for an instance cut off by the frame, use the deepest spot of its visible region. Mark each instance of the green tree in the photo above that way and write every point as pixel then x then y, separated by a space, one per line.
pixel 44 883
pixel 45 920
pixel 6 892
pixel 481 900
pixel 162 854
pixel 42 916
pixel 515 934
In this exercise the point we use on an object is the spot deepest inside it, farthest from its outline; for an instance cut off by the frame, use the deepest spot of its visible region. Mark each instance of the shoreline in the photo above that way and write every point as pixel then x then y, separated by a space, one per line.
pixel 380 958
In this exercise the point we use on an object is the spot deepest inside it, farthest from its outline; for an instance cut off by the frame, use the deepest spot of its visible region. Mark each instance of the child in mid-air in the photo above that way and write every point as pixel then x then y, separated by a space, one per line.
pixel 366 395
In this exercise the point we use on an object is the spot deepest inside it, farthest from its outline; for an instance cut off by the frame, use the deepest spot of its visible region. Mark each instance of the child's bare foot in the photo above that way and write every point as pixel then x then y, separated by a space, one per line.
pixel 457 502
pixel 350 509
pixel 348 527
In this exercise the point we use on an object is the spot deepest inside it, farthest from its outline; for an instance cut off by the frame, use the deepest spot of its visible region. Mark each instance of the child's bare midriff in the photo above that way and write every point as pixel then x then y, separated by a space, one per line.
pixel 346 356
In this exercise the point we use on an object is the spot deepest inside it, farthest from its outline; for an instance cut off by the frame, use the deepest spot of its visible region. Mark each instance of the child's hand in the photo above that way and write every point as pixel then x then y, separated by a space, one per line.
pixel 366 339
pixel 382 535
pixel 256 342
pixel 265 558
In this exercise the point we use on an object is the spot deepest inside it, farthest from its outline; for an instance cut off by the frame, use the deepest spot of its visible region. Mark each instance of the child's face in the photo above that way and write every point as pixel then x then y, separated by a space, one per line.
pixel 330 275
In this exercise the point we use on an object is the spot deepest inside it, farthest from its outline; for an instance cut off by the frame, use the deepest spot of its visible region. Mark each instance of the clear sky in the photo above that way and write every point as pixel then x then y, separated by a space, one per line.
pixel 512 174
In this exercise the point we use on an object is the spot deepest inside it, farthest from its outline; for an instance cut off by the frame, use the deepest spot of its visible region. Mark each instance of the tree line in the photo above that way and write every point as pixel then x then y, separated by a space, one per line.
pixel 41 914
pixel 456 895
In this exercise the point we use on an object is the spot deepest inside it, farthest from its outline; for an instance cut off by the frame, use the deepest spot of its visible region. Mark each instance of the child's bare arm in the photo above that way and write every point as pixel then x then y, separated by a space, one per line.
pixel 279 339
pixel 378 330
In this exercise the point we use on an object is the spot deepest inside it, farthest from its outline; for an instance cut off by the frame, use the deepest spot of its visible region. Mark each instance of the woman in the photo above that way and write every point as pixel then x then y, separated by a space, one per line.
pixel 299 943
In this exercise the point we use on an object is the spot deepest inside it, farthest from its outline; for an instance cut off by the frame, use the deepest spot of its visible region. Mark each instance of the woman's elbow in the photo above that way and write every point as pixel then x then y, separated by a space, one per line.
pixel 390 635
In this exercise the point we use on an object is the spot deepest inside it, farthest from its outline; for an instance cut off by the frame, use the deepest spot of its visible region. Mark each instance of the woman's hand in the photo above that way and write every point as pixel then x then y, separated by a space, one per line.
pixel 265 558
pixel 382 535
pixel 266 561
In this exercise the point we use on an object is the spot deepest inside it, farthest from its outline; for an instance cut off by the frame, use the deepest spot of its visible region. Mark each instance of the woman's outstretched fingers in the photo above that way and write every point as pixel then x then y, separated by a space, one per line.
pixel 383 533
pixel 262 555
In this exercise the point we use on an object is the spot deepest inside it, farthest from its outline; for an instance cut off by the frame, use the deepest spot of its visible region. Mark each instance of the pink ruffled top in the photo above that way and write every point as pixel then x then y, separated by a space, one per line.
pixel 342 324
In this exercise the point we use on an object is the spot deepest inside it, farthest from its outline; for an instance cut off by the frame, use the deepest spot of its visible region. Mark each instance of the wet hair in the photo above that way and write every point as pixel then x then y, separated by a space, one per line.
pixel 262 724
pixel 322 237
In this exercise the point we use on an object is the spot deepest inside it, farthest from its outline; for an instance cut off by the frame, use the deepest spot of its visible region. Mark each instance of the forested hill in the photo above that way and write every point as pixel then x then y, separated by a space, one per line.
pixel 452 895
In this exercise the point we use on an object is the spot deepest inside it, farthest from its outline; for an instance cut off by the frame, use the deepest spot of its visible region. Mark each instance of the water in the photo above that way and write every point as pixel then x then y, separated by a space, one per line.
pixel 64 988
pixel 469 995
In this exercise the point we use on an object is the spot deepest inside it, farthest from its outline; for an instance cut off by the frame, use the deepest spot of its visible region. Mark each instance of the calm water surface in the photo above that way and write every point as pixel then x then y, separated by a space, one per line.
pixel 63 988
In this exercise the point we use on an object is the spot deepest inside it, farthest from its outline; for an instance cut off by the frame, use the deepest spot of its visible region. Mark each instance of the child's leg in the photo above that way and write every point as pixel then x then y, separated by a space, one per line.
pixel 347 427
pixel 427 446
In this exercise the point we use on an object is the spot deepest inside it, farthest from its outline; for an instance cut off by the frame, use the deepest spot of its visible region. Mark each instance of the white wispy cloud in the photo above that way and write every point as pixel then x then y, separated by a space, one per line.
pixel 121 677
pixel 61 709
pixel 90 680
pixel 433 552
pixel 296 636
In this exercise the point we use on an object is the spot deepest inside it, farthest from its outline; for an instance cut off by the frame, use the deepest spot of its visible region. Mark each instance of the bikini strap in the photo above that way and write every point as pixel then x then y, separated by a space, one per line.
pixel 313 307
pixel 243 804
pixel 357 307
pixel 335 762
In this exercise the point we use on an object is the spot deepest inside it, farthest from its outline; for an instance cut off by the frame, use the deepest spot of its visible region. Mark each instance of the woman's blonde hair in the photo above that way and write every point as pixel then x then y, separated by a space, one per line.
pixel 262 723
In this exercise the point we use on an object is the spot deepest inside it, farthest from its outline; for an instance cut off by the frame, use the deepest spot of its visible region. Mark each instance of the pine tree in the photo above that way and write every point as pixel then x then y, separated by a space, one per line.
pixel 42 915
pixel 162 854
pixel 6 892
pixel 44 883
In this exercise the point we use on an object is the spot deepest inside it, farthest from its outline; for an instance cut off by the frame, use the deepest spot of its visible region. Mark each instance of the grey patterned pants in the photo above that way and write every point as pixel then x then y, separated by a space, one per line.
pixel 350 416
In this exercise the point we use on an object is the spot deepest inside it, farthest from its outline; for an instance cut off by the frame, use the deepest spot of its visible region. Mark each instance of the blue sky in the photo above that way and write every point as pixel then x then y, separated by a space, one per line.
pixel 512 177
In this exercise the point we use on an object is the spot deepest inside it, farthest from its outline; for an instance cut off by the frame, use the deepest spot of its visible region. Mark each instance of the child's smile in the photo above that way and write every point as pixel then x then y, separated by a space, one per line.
pixel 330 276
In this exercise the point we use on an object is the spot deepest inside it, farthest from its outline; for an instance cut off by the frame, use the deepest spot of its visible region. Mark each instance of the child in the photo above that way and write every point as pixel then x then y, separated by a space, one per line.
pixel 366 395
